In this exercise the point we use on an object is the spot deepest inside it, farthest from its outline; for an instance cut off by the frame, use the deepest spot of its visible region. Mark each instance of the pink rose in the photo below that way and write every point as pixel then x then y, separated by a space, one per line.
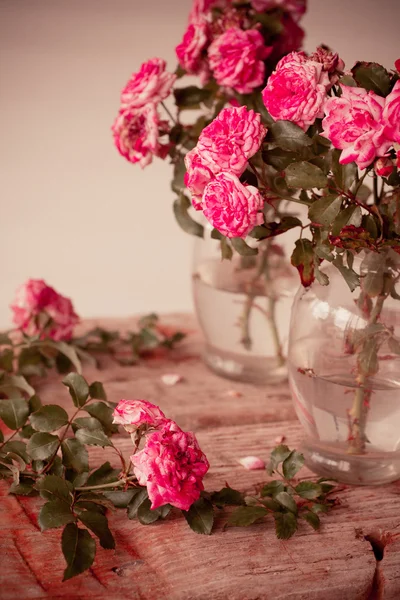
pixel 236 59
pixel 231 207
pixel 230 140
pixel 384 167
pixel 196 177
pixel 353 123
pixel 135 413
pixel 296 7
pixel 190 49
pixel 172 466
pixel 151 84
pixel 200 10
pixel 296 90
pixel 391 114
pixel 39 309
pixel 397 65
pixel 136 134
pixel 398 159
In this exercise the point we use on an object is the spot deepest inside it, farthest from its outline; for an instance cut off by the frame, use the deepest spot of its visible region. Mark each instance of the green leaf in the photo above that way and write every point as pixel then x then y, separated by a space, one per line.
pixel 303 259
pixel 317 508
pixel 289 136
pixel 279 158
pixel 227 497
pixel 372 76
pixel 97 523
pixel 147 516
pixel 272 229
pixel 34 403
pixel 42 445
pixel 104 414
pixel 226 249
pixel 78 388
pixel 277 456
pixel 271 504
pixel 31 362
pixel 67 350
pixel 79 549
pixel 320 276
pixel 94 437
pixel 133 506
pixel 308 490
pixel 96 391
pixel 104 474
pixel 184 220
pixel 247 515
pixel 325 210
pixel 16 447
pixel 5 340
pixel 14 412
pixel 242 248
pixel 306 176
pixel 55 513
pixel 344 175
pixel 200 516
pixel 287 501
pixel 372 272
pixel 272 488
pixel 24 488
pixel 6 360
pixel 52 487
pixel 49 418
pixel 120 499
pixel 348 216
pixel 292 464
pixel 394 345
pixel 285 525
pixel 10 383
pixel 87 423
pixel 312 519
pixel 191 96
pixel 350 276
pixel 75 455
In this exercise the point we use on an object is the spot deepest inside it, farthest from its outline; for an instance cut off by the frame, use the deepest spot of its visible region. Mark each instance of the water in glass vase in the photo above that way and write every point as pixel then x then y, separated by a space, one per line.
pixel 323 404
pixel 245 323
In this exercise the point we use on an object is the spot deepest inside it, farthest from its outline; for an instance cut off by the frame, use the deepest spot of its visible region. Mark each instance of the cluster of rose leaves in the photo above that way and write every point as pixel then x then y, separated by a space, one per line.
pixel 45 322
pixel 231 46
pixel 51 459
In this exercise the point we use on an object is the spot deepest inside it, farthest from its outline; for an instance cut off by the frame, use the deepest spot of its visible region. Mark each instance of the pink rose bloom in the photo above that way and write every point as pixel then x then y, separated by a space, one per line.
pixel 200 10
pixel 398 159
pixel 397 65
pixel 296 8
pixel 134 413
pixel 150 85
pixel 39 309
pixel 189 51
pixel 136 134
pixel 231 207
pixel 196 177
pixel 230 140
pixel 384 167
pixel 172 466
pixel 353 123
pixel 391 114
pixel 236 59
pixel 296 90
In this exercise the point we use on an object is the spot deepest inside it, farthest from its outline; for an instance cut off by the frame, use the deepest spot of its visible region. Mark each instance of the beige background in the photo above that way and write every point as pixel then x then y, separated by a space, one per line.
pixel 72 211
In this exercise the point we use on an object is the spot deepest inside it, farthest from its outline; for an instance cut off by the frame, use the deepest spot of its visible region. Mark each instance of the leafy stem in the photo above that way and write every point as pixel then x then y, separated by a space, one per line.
pixel 103 486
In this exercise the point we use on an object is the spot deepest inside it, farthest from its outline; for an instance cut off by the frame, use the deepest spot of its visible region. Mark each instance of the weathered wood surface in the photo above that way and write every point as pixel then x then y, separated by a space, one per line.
pixel 167 560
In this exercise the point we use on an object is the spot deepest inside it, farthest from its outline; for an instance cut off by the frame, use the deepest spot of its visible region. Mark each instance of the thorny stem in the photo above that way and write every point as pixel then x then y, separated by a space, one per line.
pixel 169 113
pixel 113 484
pixel 11 437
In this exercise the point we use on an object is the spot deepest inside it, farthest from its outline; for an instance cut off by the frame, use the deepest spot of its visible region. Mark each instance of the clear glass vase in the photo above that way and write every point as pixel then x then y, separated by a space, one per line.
pixel 243 308
pixel 344 371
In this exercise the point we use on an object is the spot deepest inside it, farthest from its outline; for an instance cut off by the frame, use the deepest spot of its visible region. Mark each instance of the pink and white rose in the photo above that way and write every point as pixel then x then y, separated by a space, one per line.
pixel 353 123
pixel 230 140
pixel 136 413
pixel 197 176
pixel 150 85
pixel 391 114
pixel 39 309
pixel 190 50
pixel 237 59
pixel 296 90
pixel 172 466
pixel 136 135
pixel 231 207
pixel 384 167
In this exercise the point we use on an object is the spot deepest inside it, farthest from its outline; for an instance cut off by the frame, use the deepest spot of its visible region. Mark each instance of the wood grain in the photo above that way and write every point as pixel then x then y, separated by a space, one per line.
pixel 167 560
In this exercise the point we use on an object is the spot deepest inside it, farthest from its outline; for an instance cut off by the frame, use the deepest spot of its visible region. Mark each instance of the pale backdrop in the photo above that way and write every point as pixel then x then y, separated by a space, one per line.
pixel 72 210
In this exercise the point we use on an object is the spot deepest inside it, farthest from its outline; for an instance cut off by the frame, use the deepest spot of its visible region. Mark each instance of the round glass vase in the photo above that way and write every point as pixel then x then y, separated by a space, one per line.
pixel 344 371
pixel 243 308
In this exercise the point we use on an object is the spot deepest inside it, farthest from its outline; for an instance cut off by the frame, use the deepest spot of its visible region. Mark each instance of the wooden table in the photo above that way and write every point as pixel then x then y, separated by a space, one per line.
pixel 167 560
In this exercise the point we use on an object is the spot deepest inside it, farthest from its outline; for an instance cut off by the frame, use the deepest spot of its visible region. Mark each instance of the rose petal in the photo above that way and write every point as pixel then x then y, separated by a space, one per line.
pixel 252 463
pixel 171 378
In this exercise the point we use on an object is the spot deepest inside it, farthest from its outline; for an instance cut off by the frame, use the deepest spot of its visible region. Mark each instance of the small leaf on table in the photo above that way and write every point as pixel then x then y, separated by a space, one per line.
pixel 49 418
pixel 287 501
pixel 227 497
pixel 200 516
pixel 42 445
pixel 96 391
pixel 79 549
pixel 98 523
pixel 292 464
pixel 52 487
pixel 55 513
pixel 285 525
pixel 78 388
pixel 93 437
pixel 14 412
pixel 133 506
pixel 308 490
pixel 247 515
pixel 75 455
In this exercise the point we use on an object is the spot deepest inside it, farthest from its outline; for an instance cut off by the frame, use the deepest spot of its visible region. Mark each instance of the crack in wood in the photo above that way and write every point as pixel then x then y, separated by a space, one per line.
pixel 96 577
pixel 25 561
pixel 30 518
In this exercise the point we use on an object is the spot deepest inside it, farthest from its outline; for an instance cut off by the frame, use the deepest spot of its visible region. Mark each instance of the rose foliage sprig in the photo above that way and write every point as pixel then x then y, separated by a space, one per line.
pixel 44 336
pixel 165 472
